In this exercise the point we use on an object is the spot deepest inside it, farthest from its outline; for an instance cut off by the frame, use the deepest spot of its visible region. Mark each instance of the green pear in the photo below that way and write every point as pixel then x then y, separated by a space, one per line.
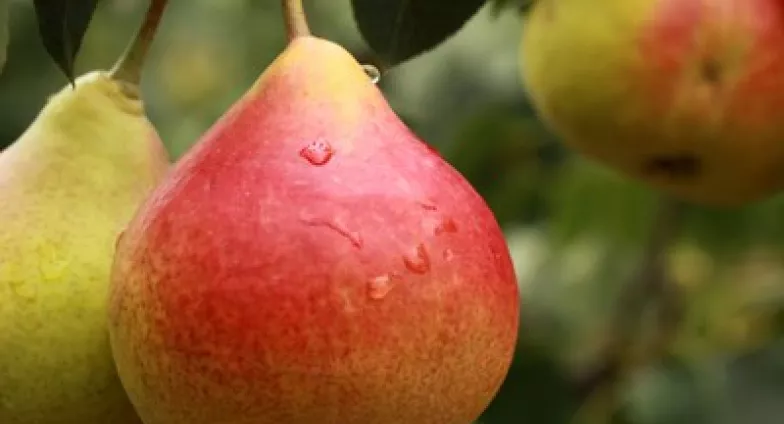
pixel 68 187
pixel 683 95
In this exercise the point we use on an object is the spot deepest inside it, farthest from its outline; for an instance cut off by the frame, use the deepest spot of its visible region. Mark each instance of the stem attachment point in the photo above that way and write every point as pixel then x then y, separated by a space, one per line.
pixel 129 68
pixel 295 18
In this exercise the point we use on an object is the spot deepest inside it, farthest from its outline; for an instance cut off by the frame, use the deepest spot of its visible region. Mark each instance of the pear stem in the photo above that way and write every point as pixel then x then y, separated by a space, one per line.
pixel 129 68
pixel 296 20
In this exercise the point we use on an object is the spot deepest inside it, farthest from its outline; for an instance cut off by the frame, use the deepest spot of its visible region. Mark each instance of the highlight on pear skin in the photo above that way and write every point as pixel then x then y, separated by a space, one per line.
pixel 391 212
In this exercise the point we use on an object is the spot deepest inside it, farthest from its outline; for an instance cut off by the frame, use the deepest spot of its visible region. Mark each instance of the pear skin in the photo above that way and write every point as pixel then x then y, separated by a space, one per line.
pixel 310 260
pixel 68 186
pixel 686 96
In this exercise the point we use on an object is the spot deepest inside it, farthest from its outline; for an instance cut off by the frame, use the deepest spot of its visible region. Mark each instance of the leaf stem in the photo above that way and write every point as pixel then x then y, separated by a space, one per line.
pixel 129 68
pixel 295 18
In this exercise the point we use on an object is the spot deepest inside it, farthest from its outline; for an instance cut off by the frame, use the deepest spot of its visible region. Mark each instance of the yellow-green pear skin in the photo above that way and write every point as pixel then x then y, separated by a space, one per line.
pixel 68 187
pixel 684 95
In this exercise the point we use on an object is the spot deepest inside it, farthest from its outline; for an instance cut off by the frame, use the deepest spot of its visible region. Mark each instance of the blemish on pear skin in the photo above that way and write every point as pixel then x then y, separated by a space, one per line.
pixel 675 166
pixel 711 71
pixel 428 206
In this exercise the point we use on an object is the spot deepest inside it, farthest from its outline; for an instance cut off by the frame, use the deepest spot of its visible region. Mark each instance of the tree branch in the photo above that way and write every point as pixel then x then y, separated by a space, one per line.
pixel 649 285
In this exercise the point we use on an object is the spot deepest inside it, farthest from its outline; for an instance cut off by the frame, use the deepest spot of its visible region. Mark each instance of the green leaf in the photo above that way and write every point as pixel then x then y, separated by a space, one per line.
pixel 4 37
pixel 62 25
pixel 398 30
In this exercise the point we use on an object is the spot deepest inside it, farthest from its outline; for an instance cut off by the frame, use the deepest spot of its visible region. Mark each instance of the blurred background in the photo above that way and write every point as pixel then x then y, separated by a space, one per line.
pixel 576 230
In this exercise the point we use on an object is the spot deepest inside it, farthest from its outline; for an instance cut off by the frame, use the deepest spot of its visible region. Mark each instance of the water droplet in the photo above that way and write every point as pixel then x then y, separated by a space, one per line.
pixel 448 225
pixel 448 255
pixel 379 287
pixel 24 289
pixel 418 261
pixel 372 72
pixel 318 152
pixel 335 225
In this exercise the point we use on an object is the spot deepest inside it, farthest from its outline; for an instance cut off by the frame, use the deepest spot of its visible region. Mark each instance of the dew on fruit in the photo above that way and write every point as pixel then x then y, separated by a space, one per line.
pixel 418 260
pixel 379 287
pixel 448 255
pixel 318 152
pixel 439 226
pixel 335 225
pixel 372 72
pixel 448 225
pixel 677 166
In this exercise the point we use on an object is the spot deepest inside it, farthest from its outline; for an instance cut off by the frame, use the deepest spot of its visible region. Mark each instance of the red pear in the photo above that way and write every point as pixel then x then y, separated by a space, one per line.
pixel 310 260
pixel 686 96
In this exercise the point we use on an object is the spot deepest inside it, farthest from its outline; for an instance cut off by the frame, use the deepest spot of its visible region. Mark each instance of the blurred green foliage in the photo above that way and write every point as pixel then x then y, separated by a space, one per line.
pixel 576 230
